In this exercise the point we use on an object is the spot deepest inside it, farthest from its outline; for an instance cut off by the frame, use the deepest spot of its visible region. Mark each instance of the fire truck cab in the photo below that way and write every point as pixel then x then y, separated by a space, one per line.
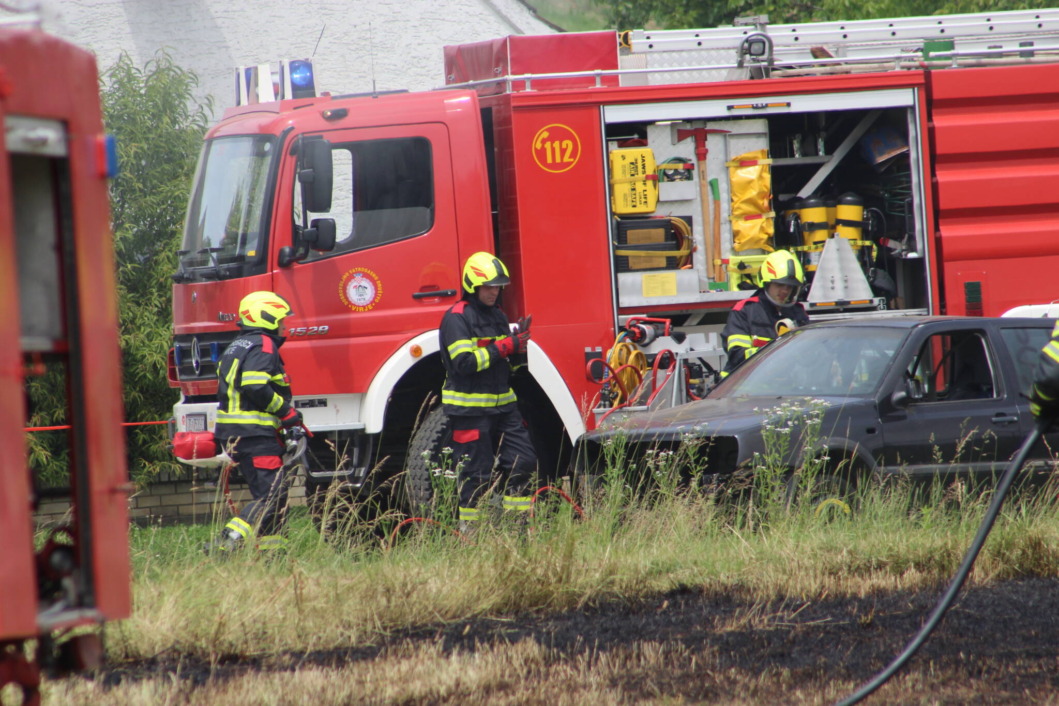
pixel 633 183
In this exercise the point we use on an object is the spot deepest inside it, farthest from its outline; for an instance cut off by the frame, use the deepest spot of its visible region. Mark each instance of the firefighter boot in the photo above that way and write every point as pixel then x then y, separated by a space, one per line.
pixel 517 513
pixel 224 545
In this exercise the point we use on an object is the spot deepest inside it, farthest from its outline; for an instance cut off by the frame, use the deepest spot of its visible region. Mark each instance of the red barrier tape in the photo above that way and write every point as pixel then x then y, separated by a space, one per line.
pixel 67 426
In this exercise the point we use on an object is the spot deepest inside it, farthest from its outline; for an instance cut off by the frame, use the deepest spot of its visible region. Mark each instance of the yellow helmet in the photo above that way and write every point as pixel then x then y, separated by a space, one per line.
pixel 484 268
pixel 263 310
pixel 781 267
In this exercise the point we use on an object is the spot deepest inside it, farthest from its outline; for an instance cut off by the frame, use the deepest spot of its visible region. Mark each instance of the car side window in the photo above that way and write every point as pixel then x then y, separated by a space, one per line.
pixel 954 366
pixel 383 192
pixel 1025 344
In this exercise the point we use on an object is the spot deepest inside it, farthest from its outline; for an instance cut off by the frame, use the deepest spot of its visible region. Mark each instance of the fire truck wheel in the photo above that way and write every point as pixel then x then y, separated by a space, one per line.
pixel 424 455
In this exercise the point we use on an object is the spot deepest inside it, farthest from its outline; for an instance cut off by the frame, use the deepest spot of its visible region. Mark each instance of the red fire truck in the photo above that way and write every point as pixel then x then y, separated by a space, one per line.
pixel 58 301
pixel 633 183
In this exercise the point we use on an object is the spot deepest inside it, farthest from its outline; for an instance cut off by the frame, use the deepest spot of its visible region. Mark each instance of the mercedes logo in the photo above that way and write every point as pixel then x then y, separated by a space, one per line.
pixel 196 356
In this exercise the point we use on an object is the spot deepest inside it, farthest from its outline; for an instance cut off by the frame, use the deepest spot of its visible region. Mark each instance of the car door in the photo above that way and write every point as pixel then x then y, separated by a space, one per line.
pixel 958 418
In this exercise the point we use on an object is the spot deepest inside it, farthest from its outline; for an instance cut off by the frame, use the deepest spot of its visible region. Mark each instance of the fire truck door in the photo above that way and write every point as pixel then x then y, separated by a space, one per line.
pixel 395 266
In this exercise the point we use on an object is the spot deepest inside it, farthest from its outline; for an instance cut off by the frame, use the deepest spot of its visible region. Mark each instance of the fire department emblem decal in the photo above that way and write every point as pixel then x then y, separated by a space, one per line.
pixel 360 289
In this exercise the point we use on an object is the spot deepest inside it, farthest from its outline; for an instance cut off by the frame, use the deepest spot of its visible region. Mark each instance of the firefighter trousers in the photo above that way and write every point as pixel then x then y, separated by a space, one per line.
pixel 480 440
pixel 260 460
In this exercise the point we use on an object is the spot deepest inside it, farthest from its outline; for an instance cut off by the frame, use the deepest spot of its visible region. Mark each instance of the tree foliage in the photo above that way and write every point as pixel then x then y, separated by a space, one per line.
pixel 158 126
pixel 673 14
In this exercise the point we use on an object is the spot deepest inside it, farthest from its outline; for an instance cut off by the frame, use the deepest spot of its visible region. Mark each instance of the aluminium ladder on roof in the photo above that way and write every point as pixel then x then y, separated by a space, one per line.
pixel 888 38
pixel 678 56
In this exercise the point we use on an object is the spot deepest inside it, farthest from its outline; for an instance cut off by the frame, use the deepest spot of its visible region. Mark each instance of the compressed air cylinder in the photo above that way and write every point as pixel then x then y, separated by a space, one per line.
pixel 831 204
pixel 849 217
pixel 815 229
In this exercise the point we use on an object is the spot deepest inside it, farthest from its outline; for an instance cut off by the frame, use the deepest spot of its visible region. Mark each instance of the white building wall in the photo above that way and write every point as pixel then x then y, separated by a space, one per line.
pixel 395 44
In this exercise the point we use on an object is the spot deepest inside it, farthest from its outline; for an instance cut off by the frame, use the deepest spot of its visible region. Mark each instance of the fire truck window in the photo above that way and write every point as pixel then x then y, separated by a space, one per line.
pixel 228 214
pixel 383 192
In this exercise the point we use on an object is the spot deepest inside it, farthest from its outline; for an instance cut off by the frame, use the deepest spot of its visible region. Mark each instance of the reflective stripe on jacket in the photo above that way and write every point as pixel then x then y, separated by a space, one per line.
pixel 253 389
pixel 477 379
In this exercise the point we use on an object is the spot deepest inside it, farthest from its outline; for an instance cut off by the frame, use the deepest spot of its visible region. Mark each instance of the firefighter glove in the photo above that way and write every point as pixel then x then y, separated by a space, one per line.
pixel 524 324
pixel 293 418
pixel 515 343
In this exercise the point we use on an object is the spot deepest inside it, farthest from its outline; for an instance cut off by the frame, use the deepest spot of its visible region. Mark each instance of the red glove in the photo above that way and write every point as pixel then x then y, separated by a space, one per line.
pixel 293 418
pixel 515 343
pixel 506 346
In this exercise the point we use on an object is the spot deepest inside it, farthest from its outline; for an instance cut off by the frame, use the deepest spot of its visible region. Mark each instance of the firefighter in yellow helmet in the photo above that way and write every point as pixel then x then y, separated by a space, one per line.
pixel 753 321
pixel 254 406
pixel 478 347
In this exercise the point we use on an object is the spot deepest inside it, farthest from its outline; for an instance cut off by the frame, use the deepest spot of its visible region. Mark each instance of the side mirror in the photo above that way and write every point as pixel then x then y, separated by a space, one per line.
pixel 287 256
pixel 316 175
pixel 912 392
pixel 321 236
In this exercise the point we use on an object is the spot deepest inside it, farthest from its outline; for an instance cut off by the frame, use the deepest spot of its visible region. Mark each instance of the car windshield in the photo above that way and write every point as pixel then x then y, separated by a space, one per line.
pixel 227 215
pixel 828 361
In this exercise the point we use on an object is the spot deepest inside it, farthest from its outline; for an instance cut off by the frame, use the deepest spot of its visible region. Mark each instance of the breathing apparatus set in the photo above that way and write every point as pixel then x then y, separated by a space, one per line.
pixel 809 223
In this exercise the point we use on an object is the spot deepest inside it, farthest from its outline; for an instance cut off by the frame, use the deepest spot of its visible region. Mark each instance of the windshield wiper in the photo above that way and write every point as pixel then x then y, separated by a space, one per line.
pixel 214 265
pixel 181 275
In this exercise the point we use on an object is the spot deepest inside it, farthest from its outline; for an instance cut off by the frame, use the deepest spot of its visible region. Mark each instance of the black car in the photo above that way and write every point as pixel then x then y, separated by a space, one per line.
pixel 922 396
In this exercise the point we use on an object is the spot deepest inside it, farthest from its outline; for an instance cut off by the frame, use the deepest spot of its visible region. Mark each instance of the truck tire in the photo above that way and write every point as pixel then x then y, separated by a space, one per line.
pixel 429 438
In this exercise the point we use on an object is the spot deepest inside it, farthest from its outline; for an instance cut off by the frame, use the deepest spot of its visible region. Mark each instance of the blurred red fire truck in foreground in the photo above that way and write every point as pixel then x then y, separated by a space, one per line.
pixel 58 303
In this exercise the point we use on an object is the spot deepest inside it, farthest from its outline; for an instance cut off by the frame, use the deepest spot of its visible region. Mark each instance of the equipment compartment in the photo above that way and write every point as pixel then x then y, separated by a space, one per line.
pixel 795 173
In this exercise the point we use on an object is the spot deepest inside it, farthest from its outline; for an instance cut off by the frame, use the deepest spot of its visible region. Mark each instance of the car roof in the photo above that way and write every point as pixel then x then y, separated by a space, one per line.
pixel 913 321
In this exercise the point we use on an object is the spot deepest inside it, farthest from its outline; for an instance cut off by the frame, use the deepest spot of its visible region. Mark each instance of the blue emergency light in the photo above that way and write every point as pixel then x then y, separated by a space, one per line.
pixel 302 82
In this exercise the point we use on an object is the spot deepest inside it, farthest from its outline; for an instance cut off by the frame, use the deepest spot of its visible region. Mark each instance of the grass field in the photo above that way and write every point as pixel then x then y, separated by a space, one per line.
pixel 356 593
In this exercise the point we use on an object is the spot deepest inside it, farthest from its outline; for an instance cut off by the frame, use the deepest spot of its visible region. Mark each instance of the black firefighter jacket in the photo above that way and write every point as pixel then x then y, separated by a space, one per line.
pixel 752 323
pixel 253 388
pixel 477 377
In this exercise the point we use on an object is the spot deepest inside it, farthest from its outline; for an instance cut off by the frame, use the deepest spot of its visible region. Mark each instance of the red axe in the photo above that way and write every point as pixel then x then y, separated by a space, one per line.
pixel 713 246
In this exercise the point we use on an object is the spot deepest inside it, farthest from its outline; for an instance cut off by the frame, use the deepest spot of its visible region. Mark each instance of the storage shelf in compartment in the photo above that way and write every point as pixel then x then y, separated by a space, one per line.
pixel 791 161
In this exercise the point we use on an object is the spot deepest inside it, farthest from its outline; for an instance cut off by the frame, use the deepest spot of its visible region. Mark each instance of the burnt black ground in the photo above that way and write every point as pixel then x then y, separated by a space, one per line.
pixel 998 644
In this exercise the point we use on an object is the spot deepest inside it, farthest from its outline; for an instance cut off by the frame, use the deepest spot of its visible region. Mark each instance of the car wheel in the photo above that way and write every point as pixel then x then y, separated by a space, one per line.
pixel 827 496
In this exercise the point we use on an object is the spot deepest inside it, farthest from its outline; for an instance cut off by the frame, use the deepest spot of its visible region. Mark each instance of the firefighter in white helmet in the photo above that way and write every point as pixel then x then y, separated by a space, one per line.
pixel 254 405
pixel 477 348
pixel 753 321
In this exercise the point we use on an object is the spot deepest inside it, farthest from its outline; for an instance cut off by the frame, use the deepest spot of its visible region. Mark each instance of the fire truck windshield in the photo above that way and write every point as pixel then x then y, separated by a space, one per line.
pixel 227 216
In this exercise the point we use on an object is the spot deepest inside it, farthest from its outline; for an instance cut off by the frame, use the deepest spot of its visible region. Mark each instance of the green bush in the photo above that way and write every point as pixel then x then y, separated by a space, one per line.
pixel 158 125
